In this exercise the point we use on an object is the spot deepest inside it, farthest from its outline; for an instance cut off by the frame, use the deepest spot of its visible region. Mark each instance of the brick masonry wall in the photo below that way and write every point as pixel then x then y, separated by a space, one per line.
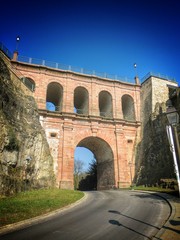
pixel 66 130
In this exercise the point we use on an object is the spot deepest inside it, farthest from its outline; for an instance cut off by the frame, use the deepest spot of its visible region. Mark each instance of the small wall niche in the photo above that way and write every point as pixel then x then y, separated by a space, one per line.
pixel 53 134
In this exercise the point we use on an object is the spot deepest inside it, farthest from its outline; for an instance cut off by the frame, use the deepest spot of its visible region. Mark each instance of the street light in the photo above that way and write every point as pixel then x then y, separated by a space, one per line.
pixel 173 119
pixel 136 75
pixel 172 115
pixel 135 67
pixel 17 42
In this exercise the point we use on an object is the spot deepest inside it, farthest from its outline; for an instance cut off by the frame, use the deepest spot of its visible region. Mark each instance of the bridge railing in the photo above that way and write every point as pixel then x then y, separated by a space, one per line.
pixel 73 69
pixel 5 50
pixel 158 75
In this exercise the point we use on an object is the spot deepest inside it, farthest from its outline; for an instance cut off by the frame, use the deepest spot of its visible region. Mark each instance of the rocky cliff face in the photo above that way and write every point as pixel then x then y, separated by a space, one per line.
pixel 25 160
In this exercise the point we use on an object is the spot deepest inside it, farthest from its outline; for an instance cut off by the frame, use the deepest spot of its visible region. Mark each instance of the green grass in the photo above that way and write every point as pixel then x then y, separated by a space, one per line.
pixel 34 203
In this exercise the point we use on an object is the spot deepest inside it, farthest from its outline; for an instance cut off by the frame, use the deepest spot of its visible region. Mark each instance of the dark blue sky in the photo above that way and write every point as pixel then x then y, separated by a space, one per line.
pixel 106 36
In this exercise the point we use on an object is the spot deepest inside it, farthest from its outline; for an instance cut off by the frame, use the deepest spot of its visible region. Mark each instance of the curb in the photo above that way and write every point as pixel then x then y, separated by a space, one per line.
pixel 169 199
pixel 39 219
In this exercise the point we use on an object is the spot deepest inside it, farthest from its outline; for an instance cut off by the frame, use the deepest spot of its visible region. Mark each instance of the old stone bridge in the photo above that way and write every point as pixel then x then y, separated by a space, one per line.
pixel 81 110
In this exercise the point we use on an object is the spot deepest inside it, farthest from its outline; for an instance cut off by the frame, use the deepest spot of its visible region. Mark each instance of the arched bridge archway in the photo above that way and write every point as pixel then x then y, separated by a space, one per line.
pixel 105 160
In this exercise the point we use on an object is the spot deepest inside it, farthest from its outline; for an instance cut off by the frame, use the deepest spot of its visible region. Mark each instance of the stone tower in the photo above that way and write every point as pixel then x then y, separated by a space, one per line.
pixel 154 156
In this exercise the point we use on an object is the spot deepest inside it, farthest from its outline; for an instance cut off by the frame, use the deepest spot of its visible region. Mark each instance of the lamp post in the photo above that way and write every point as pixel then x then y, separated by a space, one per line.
pixel 173 119
pixel 17 42
pixel 15 54
pixel 136 75
pixel 135 67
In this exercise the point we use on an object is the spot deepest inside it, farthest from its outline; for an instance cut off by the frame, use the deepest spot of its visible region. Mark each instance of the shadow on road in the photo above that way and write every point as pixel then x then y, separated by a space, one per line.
pixel 173 223
pixel 115 222
pixel 117 212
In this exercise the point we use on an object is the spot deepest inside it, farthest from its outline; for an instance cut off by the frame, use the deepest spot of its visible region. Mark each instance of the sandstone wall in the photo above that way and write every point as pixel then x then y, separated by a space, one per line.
pixel 25 159
pixel 154 159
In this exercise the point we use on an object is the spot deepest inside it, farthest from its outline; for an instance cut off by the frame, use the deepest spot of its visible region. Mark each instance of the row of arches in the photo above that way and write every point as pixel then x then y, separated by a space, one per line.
pixel 54 102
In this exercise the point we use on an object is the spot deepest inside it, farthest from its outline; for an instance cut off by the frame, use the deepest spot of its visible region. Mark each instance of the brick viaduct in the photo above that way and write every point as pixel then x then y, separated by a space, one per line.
pixel 100 114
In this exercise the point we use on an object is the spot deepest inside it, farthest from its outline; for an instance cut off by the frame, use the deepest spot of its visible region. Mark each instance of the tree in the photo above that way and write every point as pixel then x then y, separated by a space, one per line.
pixel 93 168
pixel 78 170
pixel 90 181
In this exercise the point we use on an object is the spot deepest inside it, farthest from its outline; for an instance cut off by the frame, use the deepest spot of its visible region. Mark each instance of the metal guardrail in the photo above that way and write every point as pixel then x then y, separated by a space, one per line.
pixel 6 51
pixel 73 69
pixel 158 75
pixel 89 72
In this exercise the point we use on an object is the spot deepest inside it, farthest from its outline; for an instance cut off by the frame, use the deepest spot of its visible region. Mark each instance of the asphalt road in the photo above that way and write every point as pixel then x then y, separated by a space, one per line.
pixel 121 215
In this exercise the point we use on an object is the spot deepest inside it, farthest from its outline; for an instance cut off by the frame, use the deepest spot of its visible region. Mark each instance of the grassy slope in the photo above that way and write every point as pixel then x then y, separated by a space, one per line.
pixel 33 203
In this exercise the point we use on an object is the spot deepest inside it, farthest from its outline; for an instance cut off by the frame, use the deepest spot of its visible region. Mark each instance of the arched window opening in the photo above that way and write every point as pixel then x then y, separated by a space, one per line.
pixel 128 108
pixel 29 83
pixel 105 104
pixel 81 101
pixel 54 97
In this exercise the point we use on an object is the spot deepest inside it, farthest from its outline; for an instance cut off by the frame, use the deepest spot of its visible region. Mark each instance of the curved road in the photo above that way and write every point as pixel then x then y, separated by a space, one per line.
pixel 122 215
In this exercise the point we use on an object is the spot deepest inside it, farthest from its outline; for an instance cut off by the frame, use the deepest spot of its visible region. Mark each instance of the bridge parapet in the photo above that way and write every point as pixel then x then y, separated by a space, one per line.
pixel 69 68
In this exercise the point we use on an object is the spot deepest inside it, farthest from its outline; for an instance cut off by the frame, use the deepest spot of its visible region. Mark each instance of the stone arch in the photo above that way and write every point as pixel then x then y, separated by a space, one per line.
pixel 105 161
pixel 54 97
pixel 128 108
pixel 81 100
pixel 29 82
pixel 105 104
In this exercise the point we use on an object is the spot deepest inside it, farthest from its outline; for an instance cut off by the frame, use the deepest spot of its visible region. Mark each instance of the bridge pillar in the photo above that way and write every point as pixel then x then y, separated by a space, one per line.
pixel 94 108
pixel 67 169
pixel 122 172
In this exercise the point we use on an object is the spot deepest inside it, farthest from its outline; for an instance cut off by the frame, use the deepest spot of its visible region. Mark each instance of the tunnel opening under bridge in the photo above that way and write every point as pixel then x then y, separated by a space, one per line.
pixel 104 161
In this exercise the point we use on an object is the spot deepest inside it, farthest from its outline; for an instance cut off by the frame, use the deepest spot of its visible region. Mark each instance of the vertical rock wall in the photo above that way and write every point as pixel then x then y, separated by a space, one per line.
pixel 25 160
